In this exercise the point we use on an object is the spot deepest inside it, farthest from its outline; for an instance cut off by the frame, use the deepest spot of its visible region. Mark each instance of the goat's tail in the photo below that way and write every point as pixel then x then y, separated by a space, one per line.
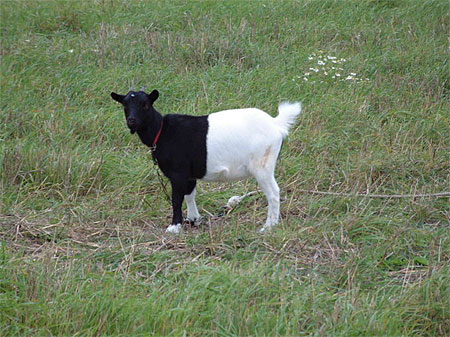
pixel 287 114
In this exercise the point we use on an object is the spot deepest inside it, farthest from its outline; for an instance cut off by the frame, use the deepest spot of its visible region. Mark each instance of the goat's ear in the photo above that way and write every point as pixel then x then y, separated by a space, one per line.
pixel 117 97
pixel 153 96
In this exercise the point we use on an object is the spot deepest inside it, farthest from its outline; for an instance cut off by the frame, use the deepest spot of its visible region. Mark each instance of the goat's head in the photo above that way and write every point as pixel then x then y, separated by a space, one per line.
pixel 138 107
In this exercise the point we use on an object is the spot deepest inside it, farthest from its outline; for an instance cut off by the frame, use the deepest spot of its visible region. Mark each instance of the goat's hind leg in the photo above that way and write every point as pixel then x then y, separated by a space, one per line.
pixel 266 180
pixel 263 169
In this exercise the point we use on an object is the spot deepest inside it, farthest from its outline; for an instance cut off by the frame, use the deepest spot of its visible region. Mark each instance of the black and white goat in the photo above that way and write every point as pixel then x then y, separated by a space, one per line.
pixel 227 145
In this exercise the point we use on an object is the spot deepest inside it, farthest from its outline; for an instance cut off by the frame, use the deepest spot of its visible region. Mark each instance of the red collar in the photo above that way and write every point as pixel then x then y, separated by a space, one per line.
pixel 157 137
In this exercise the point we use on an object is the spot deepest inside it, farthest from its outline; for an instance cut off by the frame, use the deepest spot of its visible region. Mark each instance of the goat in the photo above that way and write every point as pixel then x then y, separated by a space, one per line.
pixel 227 145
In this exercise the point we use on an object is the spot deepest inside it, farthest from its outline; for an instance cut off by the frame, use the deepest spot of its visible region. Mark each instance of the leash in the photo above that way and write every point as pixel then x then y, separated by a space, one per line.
pixel 153 147
pixel 162 182
pixel 381 196
pixel 156 165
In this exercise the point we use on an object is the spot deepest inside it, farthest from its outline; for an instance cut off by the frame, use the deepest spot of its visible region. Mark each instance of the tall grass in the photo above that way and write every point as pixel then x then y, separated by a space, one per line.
pixel 82 216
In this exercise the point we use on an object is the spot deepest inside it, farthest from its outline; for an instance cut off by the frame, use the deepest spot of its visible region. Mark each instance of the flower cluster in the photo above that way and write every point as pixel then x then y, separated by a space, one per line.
pixel 324 68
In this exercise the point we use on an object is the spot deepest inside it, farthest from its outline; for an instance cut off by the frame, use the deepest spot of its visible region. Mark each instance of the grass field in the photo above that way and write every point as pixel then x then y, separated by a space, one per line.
pixel 82 216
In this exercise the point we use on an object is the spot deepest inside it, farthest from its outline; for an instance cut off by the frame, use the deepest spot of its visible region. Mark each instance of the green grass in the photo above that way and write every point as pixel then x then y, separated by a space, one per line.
pixel 82 216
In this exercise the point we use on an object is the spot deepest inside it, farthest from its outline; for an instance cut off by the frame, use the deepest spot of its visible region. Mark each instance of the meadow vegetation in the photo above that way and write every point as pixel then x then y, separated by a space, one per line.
pixel 82 215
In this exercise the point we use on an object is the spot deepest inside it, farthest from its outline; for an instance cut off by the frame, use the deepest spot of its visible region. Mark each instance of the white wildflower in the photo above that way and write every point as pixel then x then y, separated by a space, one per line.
pixel 320 63
pixel 70 50
pixel 338 75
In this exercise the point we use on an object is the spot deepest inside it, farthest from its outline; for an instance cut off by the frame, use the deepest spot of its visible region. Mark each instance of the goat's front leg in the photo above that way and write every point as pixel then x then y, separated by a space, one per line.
pixel 178 192
pixel 192 210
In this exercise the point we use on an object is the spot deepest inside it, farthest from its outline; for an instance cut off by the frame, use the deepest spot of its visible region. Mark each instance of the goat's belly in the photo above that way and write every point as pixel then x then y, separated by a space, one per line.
pixel 226 173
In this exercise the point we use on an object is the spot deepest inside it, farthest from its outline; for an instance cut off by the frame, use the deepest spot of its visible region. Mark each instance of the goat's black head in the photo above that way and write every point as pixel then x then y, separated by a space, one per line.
pixel 138 107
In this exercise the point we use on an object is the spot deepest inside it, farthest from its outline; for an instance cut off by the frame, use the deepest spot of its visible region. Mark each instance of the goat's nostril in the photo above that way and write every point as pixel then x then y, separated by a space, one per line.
pixel 131 121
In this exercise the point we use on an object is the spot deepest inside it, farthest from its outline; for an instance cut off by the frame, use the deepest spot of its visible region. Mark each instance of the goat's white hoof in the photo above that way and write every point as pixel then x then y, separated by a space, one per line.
pixel 266 228
pixel 195 219
pixel 175 229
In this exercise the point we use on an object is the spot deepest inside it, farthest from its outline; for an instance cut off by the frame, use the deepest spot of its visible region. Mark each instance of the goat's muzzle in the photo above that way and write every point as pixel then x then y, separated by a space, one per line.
pixel 131 123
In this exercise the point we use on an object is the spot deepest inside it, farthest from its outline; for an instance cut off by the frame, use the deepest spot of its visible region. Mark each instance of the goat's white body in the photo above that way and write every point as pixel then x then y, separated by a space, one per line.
pixel 237 141
pixel 245 142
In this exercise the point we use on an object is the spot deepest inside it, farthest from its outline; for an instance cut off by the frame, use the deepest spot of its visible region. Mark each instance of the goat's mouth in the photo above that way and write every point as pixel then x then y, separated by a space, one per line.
pixel 132 127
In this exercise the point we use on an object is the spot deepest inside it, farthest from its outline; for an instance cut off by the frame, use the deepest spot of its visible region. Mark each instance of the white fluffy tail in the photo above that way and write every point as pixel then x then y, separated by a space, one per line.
pixel 287 114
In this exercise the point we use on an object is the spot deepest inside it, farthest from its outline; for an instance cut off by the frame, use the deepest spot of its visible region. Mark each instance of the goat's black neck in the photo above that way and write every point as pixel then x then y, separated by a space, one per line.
pixel 148 134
